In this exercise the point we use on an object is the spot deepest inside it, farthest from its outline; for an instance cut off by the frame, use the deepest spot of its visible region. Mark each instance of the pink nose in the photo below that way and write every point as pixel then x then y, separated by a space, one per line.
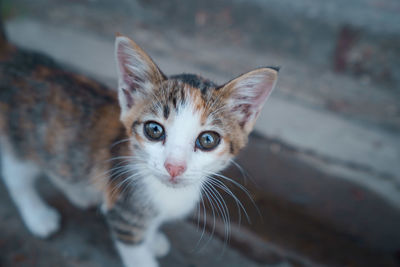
pixel 175 169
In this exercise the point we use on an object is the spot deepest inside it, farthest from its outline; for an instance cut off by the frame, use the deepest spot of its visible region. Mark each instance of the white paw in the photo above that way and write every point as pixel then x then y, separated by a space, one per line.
pixel 83 202
pixel 160 245
pixel 136 256
pixel 42 222
pixel 142 262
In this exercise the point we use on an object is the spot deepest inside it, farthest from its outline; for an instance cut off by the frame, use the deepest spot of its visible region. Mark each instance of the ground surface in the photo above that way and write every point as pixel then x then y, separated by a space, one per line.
pixel 325 162
pixel 84 241
pixel 305 218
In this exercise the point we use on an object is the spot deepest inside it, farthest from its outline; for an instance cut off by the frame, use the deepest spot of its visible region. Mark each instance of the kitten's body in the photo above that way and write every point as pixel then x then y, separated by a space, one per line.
pixel 48 113
pixel 72 129
pixel 68 127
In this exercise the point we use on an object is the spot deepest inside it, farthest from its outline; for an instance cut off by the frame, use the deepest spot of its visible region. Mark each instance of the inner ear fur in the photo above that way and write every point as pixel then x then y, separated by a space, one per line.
pixel 137 72
pixel 246 94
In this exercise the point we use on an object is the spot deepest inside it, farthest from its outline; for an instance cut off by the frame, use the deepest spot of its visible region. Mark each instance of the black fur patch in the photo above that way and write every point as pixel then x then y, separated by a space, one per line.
pixel 276 68
pixel 166 111
pixel 174 102
pixel 195 81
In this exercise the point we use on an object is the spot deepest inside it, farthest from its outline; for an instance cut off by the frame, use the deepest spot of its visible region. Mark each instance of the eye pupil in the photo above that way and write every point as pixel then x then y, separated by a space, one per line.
pixel 208 141
pixel 154 131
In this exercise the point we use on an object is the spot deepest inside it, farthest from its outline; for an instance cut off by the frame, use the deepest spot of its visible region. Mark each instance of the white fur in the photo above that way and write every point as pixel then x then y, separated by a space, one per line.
pixel 182 130
pixel 155 245
pixel 19 177
pixel 136 256
pixel 83 195
pixel 173 201
pixel 159 244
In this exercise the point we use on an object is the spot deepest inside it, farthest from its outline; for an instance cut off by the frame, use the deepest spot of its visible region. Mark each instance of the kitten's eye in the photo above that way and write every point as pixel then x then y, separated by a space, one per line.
pixel 154 131
pixel 208 141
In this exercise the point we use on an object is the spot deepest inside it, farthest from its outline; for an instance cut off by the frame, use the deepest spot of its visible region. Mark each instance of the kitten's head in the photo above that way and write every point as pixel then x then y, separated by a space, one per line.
pixel 184 128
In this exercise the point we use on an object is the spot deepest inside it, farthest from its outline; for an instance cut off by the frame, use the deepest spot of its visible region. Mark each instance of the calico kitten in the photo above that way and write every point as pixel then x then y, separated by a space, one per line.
pixel 143 155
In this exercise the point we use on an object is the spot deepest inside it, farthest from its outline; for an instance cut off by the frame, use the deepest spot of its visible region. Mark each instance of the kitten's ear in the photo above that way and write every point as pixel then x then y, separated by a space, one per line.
pixel 137 73
pixel 247 94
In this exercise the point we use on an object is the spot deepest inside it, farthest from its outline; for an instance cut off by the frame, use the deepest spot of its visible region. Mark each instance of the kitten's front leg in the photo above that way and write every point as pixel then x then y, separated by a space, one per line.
pixel 132 233
pixel 19 177
pixel 159 244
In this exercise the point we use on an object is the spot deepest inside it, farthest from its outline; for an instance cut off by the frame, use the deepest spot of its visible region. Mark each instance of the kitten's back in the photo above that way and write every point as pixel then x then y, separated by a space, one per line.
pixel 54 117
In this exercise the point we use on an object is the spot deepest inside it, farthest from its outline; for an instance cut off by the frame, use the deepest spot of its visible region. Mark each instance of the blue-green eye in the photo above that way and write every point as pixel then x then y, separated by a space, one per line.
pixel 154 131
pixel 208 141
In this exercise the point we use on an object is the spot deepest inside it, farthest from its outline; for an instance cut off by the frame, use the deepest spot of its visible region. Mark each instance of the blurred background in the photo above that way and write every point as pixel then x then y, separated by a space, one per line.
pixel 323 165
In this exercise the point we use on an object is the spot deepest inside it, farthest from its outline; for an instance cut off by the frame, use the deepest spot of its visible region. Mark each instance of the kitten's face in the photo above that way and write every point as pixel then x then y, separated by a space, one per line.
pixel 181 136
pixel 185 128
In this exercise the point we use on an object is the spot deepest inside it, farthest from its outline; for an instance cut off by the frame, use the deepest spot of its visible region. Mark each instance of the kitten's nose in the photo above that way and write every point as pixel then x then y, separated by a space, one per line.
pixel 175 169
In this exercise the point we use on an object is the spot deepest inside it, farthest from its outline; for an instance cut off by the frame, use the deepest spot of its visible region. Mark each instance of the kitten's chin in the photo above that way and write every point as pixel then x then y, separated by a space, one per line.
pixel 177 183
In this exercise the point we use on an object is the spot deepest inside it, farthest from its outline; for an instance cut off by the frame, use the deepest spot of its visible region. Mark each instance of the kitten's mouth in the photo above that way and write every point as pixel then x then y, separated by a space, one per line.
pixel 174 183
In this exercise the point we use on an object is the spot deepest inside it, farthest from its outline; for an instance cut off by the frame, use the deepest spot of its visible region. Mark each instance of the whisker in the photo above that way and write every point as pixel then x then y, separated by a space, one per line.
pixel 120 142
pixel 238 203
pixel 213 213
pixel 241 187
pixel 125 183
pixel 204 219
pixel 224 212
pixel 120 157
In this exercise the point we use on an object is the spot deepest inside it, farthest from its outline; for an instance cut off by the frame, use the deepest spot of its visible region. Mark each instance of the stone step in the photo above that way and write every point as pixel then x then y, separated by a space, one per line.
pixel 360 38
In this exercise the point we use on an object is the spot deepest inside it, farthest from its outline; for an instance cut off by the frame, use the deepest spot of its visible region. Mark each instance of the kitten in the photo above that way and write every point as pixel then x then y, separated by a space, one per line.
pixel 143 155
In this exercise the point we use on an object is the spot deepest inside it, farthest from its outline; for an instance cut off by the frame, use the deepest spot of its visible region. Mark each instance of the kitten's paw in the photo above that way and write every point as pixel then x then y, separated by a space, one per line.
pixel 136 256
pixel 43 222
pixel 160 245
pixel 83 202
